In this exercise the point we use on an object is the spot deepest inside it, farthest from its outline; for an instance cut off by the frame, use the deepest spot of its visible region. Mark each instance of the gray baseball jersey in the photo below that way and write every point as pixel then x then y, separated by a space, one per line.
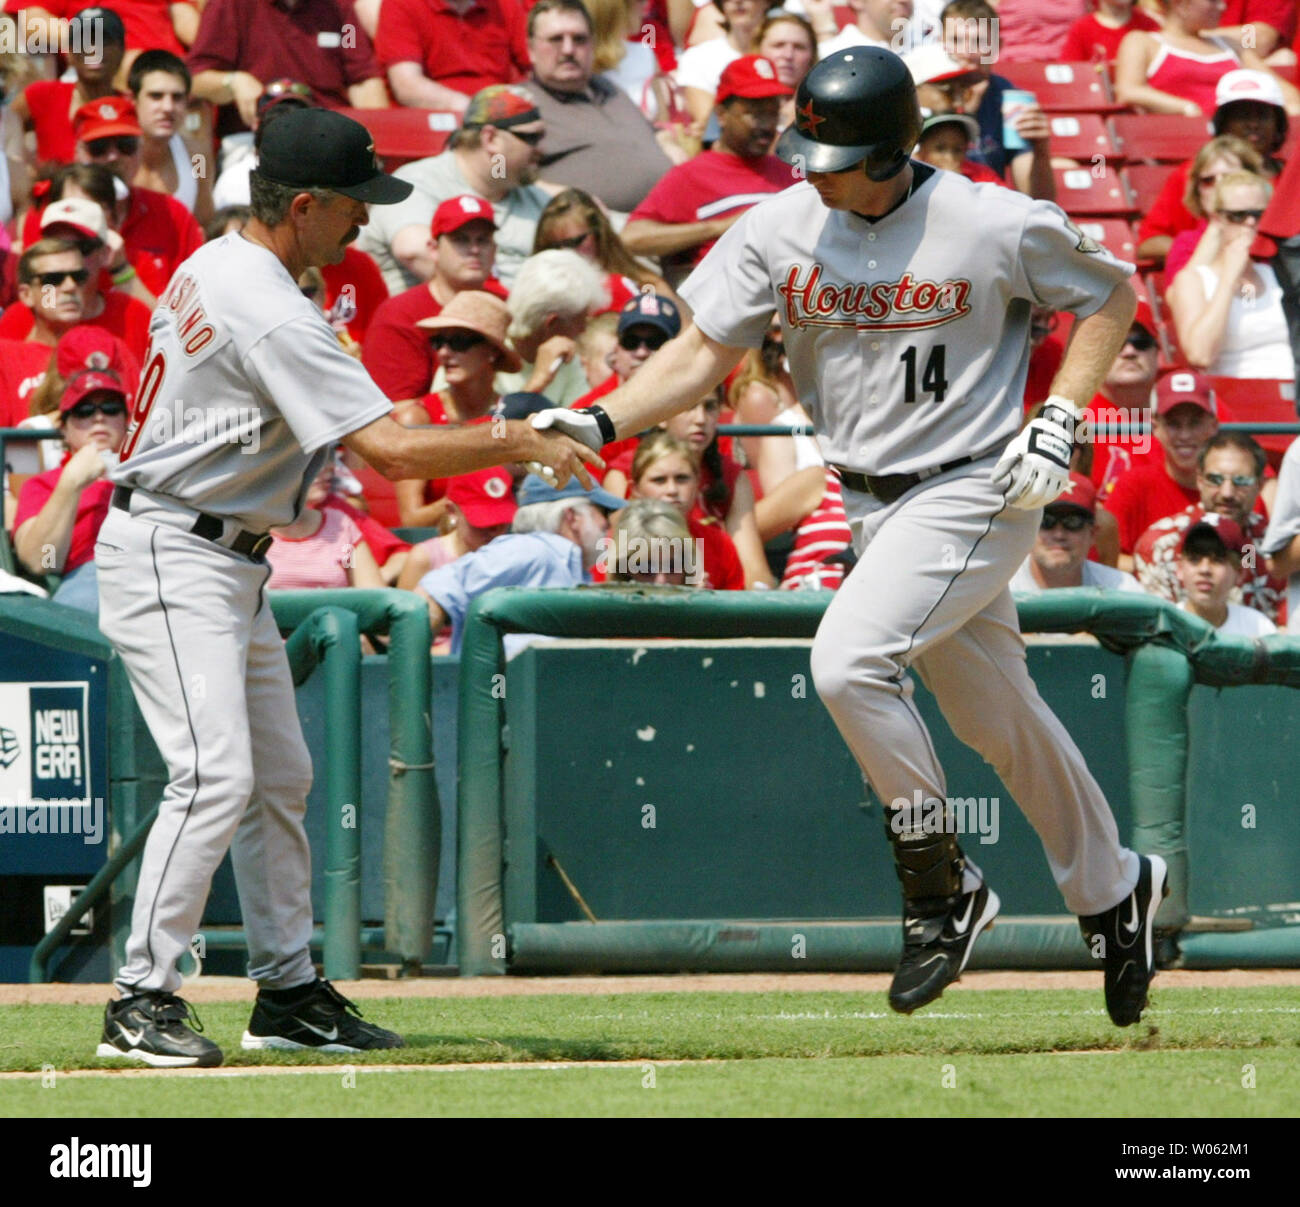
pixel 906 336
pixel 243 388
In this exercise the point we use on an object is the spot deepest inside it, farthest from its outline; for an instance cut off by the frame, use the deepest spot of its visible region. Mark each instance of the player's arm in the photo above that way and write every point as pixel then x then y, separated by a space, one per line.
pixel 397 452
pixel 1095 341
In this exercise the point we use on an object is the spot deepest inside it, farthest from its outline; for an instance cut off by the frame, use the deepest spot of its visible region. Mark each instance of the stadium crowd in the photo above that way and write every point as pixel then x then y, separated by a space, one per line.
pixel 572 161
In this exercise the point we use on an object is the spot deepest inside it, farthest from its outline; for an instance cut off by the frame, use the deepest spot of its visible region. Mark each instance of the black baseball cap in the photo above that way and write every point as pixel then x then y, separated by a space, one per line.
pixel 112 31
pixel 321 149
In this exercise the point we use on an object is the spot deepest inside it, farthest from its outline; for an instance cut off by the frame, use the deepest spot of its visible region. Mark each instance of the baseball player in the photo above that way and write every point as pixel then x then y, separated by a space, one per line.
pixel 244 391
pixel 904 296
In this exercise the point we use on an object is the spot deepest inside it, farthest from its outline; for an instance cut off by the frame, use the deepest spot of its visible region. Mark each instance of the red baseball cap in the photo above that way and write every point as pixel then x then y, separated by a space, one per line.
pixel 88 359
pixel 105 117
pixel 485 498
pixel 1145 319
pixel 1185 386
pixel 751 77
pixel 1212 528
pixel 460 211
pixel 1080 494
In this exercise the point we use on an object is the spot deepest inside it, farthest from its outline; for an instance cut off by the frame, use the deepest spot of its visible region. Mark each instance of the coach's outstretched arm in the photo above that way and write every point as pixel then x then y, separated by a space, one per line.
pixel 674 378
pixel 400 452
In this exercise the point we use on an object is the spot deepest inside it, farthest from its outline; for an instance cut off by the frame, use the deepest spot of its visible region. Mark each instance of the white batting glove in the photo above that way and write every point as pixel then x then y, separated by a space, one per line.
pixel 1035 469
pixel 581 425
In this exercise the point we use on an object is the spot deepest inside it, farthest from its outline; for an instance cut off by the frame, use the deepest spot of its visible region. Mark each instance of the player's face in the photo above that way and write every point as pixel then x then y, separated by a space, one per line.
pixel 852 189
pixel 1182 432
pixel 748 127
pixel 1207 576
pixel 1060 548
pixel 1137 360
pixel 671 479
pixel 55 291
pixel 328 227
pixel 786 44
pixel 105 430
pixel 160 105
pixel 944 147
pixel 1218 483
pixel 697 426
pixel 561 49
pixel 467 256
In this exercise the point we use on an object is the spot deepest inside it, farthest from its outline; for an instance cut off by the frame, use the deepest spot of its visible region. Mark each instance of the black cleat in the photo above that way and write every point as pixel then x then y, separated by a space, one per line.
pixel 320 1017
pixel 154 1028
pixel 937 945
pixel 1126 932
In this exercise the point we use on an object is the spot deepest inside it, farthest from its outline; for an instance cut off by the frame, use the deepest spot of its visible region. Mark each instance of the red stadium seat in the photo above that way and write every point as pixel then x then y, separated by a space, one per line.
pixel 1145 180
pixel 403 134
pixel 1112 233
pixel 1063 87
pixel 1081 136
pixel 1159 137
pixel 1082 191
pixel 1252 400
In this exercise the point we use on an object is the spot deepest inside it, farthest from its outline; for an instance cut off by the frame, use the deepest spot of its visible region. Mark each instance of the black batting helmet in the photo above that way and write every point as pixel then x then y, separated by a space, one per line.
pixel 855 105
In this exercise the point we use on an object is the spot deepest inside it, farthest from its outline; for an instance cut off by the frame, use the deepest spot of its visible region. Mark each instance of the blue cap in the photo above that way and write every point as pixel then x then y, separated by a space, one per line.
pixel 536 490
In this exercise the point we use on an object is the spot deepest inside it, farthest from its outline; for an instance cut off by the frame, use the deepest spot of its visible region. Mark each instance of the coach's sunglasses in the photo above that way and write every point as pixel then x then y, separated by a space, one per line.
pixel 127 144
pixel 457 341
pixel 1071 521
pixel 88 410
pixel 52 279
pixel 1245 481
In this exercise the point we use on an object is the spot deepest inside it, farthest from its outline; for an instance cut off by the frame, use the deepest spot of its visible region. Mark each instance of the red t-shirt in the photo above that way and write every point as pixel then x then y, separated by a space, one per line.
pixel 358 272
pixel 50 103
pixel 1115 450
pixel 463 51
pixel 1044 361
pixel 123 316
pixel 1280 14
pixel 397 353
pixel 1089 39
pixel 722 568
pixel 1141 497
pixel 22 368
pixel 621 291
pixel 319 42
pixel 710 185
pixel 92 508
pixel 148 23
pixel 1168 215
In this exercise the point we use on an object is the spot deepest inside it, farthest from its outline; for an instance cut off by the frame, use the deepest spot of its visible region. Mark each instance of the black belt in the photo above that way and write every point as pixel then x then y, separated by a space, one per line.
pixel 889 487
pixel 250 544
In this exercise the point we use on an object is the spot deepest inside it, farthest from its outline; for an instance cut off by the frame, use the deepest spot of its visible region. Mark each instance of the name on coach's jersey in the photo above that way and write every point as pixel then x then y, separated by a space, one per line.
pixel 907 304
pixel 193 330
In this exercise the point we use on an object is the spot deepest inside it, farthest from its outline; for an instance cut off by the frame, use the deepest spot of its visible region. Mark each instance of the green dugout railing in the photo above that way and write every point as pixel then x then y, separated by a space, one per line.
pixel 1167 651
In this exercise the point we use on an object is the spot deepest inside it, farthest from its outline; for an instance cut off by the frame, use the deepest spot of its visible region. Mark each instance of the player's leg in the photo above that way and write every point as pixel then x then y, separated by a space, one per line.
pixel 272 862
pixel 177 610
pixel 1115 892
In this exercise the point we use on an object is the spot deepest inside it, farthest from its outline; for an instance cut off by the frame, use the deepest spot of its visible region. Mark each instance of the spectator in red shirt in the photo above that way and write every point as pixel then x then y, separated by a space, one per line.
pixel 244 44
pixel 397 353
pixel 139 24
pixel 1097 35
pixel 158 231
pixel 51 274
pixel 1120 413
pixel 438 53
pixel 1186 417
pixel 1264 26
pixel 46 107
pixel 61 511
pixel 695 202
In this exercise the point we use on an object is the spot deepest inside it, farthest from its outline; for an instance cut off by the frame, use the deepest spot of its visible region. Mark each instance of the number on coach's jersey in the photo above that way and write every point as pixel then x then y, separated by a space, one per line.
pixel 933 380
pixel 150 382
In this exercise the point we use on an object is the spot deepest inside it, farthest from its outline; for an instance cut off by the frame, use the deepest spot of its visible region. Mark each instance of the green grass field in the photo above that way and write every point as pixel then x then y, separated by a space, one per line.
pixel 1202 1052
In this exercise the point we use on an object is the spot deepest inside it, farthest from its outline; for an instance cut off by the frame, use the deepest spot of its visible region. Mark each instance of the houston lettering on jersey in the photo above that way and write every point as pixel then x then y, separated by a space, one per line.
pixel 192 327
pixel 907 304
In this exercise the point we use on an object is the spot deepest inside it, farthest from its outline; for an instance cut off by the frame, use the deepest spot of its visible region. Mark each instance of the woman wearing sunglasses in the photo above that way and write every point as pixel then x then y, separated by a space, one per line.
pixel 469 341
pixel 1227 307
pixel 60 511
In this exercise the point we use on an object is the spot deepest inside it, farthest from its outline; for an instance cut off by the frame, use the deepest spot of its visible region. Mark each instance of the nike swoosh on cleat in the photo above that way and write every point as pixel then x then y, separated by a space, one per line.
pixel 960 927
pixel 131 1037
pixel 1132 927
pixel 330 1036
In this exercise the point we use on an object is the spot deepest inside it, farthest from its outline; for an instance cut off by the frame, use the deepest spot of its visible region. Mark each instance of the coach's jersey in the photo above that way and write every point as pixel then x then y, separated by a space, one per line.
pixel 243 388
pixel 907 337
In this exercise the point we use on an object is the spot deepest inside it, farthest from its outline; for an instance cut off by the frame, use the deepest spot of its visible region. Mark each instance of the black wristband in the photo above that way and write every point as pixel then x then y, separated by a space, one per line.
pixel 604 422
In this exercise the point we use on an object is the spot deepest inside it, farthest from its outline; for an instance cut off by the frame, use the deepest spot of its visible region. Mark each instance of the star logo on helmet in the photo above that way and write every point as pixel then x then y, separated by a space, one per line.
pixel 807 120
